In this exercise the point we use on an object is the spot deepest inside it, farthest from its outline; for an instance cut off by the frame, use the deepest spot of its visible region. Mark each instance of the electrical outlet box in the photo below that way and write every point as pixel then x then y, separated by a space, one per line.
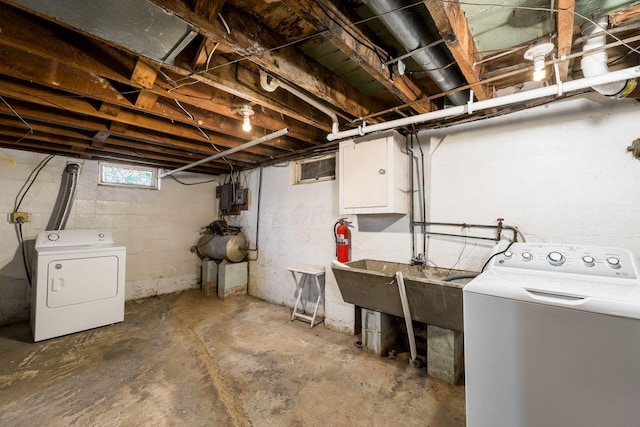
pixel 19 217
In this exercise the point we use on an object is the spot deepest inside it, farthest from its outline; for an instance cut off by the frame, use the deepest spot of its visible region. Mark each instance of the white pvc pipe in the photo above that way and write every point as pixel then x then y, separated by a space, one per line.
pixel 272 85
pixel 595 64
pixel 227 152
pixel 614 76
pixel 407 315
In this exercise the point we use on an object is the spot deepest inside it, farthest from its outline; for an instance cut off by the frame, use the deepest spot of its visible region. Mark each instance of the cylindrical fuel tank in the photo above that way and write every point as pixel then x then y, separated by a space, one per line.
pixel 232 247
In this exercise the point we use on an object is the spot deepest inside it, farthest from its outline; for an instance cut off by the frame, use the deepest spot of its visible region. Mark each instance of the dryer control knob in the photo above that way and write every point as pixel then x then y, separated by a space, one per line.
pixel 589 261
pixel 508 254
pixel 555 258
pixel 53 236
pixel 526 256
pixel 613 262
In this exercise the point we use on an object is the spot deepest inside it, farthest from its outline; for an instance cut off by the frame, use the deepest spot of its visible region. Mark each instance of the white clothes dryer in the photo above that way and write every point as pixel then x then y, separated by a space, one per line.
pixel 78 283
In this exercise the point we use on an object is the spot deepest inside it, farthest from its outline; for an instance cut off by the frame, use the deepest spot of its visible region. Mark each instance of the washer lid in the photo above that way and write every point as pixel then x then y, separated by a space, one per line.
pixel 618 297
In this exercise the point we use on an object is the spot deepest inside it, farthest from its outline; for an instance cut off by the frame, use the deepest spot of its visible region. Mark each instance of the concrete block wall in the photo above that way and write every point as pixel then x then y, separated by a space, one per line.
pixel 157 227
pixel 559 172
pixel 296 228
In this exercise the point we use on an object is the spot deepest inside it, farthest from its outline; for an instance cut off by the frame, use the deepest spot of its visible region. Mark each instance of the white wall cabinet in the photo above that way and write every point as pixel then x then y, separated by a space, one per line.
pixel 372 175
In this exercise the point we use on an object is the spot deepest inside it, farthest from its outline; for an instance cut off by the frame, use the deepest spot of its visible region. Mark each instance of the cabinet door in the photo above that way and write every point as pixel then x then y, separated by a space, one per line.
pixel 365 174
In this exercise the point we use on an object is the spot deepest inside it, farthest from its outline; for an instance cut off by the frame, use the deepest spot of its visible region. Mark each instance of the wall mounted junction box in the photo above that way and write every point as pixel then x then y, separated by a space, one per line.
pixel 19 217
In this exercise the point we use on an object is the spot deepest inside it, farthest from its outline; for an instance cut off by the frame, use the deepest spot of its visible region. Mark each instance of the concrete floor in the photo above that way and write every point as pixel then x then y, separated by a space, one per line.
pixel 185 359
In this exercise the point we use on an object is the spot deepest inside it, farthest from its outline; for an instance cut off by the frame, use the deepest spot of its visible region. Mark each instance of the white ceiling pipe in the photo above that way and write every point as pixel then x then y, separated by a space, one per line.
pixel 595 64
pixel 273 84
pixel 227 152
pixel 587 82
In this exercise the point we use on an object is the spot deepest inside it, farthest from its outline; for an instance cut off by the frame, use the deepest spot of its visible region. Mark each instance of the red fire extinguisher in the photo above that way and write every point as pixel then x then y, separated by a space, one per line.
pixel 342 236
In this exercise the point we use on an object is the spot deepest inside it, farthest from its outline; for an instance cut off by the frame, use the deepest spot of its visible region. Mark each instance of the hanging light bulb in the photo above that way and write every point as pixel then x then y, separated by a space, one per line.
pixel 246 124
pixel 537 54
pixel 539 73
pixel 246 112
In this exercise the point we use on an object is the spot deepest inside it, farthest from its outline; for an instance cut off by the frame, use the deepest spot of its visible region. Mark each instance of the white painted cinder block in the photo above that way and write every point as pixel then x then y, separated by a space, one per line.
pixel 157 227
pixel 559 172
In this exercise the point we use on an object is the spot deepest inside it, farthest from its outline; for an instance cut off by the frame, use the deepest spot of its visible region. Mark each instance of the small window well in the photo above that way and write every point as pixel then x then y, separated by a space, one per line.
pixel 128 176
pixel 316 169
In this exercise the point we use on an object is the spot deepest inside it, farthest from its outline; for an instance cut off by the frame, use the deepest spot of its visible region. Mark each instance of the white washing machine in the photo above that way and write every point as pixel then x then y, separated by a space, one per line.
pixel 552 338
pixel 78 283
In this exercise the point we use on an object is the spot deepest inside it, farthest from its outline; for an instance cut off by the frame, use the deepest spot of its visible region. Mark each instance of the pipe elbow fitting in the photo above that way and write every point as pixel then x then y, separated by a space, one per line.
pixel 269 86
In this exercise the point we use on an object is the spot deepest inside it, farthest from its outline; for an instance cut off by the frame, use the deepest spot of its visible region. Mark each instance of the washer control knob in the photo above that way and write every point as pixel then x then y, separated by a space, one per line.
pixel 508 254
pixel 526 256
pixel 555 258
pixel 588 260
pixel 101 235
pixel 53 236
pixel 613 262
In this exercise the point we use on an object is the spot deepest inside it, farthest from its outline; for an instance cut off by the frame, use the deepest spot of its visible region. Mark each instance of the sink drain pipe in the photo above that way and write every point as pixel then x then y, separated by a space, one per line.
pixel 407 318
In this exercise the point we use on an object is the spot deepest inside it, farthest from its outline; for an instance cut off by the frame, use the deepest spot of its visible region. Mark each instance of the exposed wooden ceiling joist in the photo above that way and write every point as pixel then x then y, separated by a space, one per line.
pixel 90 97
pixel 452 25
pixel 564 23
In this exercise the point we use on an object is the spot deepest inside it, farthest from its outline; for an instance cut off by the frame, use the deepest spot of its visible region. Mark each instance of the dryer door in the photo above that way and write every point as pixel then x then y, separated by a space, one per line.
pixel 79 280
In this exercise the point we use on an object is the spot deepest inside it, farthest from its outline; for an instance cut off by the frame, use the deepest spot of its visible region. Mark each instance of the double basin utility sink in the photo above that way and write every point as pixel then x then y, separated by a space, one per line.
pixel 372 285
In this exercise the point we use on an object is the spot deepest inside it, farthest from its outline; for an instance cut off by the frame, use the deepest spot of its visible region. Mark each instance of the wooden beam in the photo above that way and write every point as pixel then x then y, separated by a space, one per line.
pixel 110 109
pixel 146 100
pixel 337 26
pixel 118 127
pixel 75 139
pixel 254 42
pixel 243 83
pixel 564 20
pixel 165 118
pixel 212 94
pixel 173 134
pixel 206 49
pixel 21 30
pixel 624 16
pixel 454 29
pixel 76 126
pixel 208 9
pixel 144 74
pixel 203 95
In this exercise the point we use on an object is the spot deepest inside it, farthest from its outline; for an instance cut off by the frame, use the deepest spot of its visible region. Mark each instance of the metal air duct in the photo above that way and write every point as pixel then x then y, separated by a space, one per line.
pixel 66 197
pixel 400 20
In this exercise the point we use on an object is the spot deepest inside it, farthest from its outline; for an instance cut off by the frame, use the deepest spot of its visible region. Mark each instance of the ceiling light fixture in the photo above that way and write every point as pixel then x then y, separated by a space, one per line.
pixel 246 112
pixel 537 54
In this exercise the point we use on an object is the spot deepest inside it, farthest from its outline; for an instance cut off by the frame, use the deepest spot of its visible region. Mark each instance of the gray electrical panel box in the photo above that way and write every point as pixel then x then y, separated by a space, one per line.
pixel 241 196
pixel 225 194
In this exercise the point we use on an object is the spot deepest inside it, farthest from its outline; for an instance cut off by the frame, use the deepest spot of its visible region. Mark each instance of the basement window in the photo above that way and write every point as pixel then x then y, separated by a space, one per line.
pixel 315 169
pixel 128 176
